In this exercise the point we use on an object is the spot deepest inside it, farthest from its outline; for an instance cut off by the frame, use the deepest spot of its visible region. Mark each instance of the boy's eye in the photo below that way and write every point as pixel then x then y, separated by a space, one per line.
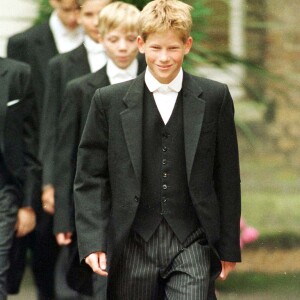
pixel 131 38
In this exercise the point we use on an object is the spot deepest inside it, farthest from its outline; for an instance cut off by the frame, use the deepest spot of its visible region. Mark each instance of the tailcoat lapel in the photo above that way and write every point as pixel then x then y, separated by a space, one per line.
pixel 98 79
pixel 79 60
pixel 193 113
pixel 132 123
pixel 3 100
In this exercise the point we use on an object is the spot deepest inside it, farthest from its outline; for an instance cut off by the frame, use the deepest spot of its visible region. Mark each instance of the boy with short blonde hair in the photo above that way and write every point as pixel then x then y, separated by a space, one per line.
pixel 157 188
pixel 119 41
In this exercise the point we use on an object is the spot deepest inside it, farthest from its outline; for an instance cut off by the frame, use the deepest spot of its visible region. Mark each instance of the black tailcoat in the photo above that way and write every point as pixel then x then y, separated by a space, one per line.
pixel 62 68
pixel 109 169
pixel 35 46
pixel 19 130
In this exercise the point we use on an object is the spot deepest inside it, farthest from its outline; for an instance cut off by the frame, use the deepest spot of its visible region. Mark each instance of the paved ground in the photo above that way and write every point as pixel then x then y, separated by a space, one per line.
pixel 27 289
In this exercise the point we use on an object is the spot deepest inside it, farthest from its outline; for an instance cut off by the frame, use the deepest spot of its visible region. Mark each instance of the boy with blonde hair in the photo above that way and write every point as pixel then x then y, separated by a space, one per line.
pixel 86 58
pixel 118 32
pixel 157 188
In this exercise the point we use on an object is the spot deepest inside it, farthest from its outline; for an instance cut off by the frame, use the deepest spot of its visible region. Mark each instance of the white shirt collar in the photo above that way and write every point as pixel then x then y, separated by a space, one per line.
pixel 91 46
pixel 114 72
pixel 65 39
pixel 153 84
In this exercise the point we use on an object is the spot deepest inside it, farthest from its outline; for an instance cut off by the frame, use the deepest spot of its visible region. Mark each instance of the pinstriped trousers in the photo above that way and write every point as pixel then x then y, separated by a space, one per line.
pixel 163 268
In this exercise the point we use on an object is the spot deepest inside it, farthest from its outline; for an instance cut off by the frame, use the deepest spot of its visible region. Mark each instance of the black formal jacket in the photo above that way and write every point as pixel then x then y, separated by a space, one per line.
pixel 62 68
pixel 18 131
pixel 35 46
pixel 77 100
pixel 108 178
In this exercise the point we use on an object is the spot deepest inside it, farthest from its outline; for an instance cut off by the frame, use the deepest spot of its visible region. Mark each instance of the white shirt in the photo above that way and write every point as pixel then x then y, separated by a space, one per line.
pixel 65 39
pixel 165 95
pixel 96 54
pixel 116 75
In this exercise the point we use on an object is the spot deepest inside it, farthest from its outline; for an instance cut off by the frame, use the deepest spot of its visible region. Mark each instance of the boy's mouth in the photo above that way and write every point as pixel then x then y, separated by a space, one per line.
pixel 164 67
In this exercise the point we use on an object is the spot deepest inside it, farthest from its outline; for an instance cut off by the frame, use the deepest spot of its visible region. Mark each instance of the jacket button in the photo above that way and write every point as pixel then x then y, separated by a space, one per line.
pixel 164 186
pixel 136 198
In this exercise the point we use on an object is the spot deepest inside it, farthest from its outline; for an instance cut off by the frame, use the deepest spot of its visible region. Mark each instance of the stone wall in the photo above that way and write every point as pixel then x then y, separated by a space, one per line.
pixel 273 43
pixel 282 57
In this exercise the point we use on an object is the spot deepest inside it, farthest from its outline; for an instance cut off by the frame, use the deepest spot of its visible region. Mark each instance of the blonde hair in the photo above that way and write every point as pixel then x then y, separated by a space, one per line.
pixel 80 3
pixel 164 15
pixel 118 14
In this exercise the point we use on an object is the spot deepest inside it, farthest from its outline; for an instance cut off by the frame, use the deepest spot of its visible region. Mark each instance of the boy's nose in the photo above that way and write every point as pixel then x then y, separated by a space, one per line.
pixel 122 44
pixel 95 20
pixel 163 56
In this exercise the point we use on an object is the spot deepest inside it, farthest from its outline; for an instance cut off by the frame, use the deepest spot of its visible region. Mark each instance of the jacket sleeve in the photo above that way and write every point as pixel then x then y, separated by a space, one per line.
pixel 227 182
pixel 65 159
pixel 32 166
pixel 50 114
pixel 92 187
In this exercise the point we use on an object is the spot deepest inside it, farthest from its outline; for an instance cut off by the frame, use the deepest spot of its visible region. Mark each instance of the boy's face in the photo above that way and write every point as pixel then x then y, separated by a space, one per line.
pixel 88 17
pixel 164 53
pixel 120 46
pixel 67 12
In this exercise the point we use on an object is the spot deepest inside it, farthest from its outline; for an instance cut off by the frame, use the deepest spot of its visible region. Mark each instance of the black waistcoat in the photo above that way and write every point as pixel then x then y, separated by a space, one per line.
pixel 165 192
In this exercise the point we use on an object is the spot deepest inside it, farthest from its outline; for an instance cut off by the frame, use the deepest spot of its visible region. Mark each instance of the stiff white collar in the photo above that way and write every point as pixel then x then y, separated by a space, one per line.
pixel 114 72
pixel 91 46
pixel 65 39
pixel 153 84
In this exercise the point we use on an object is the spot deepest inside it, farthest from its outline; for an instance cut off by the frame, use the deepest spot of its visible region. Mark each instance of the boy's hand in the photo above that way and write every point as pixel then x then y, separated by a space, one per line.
pixel 64 238
pixel 48 199
pixel 26 221
pixel 227 266
pixel 97 261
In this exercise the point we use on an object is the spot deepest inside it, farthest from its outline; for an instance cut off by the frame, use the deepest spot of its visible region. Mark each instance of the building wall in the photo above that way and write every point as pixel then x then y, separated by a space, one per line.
pixel 15 16
pixel 282 57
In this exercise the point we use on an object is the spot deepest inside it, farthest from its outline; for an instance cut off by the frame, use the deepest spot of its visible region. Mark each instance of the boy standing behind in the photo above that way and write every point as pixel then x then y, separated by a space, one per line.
pixel 118 31
pixel 20 170
pixel 157 188
pixel 37 45
pixel 88 57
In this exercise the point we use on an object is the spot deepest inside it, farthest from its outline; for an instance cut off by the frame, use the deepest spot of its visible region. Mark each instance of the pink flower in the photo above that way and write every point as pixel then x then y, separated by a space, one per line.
pixel 248 234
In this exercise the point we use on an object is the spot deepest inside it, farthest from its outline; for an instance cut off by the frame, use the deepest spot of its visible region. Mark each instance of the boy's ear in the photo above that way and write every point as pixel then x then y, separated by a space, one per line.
pixel 188 45
pixel 141 44
pixel 100 39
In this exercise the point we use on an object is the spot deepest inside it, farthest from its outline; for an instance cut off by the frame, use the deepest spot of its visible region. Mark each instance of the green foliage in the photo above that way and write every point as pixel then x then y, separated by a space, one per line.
pixel 138 3
pixel 44 11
